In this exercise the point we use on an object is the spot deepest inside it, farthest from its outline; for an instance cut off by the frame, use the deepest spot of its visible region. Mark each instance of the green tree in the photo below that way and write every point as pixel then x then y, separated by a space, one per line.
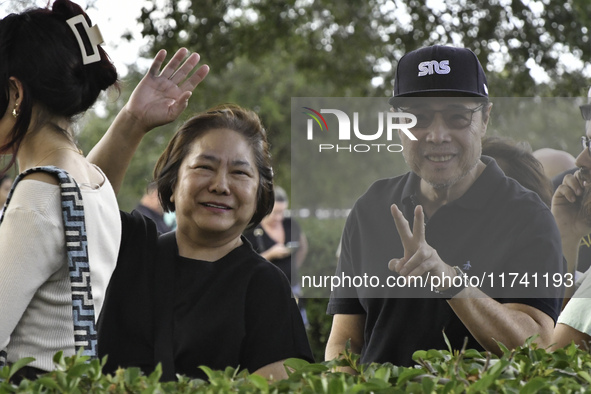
pixel 262 53
pixel 347 44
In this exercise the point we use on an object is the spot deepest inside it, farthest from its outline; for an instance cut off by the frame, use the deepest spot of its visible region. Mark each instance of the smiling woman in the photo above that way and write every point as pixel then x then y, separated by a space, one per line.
pixel 216 175
pixel 215 194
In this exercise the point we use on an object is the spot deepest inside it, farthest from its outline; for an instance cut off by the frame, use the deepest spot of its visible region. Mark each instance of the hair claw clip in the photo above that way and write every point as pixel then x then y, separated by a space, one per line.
pixel 94 36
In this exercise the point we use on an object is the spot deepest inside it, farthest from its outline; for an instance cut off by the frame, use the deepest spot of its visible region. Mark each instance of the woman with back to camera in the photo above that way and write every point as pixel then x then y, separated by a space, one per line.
pixel 48 77
pixel 201 295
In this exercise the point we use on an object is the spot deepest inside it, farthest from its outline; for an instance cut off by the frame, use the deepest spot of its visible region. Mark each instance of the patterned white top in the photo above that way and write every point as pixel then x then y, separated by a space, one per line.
pixel 35 295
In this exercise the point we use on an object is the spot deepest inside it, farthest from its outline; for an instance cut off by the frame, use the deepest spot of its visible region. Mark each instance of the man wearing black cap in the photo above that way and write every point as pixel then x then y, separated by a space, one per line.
pixel 454 216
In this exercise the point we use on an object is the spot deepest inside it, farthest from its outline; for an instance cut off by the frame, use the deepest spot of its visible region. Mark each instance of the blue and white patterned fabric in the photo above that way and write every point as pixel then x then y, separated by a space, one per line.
pixel 83 316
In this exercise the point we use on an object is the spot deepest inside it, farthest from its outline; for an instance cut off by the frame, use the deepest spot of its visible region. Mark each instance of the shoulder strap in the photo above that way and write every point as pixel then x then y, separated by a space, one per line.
pixel 85 335
pixel 164 304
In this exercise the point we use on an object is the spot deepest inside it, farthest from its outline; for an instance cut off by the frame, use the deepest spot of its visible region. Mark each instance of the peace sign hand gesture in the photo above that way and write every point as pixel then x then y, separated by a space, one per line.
pixel 419 257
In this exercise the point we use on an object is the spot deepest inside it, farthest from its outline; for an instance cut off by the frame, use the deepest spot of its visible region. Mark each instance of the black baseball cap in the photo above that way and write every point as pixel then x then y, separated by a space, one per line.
pixel 439 69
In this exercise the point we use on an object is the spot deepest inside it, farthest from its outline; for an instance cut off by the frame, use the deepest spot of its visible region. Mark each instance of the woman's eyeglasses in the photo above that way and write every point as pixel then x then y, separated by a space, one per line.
pixel 454 118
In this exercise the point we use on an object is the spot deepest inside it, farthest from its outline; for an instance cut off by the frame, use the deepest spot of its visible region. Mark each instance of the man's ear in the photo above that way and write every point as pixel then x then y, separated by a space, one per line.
pixel 486 113
pixel 486 117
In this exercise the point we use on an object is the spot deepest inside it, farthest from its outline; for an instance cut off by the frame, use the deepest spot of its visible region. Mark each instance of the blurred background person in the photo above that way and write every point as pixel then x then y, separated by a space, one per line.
pixel 571 207
pixel 279 239
pixel 554 161
pixel 583 256
pixel 517 162
pixel 150 207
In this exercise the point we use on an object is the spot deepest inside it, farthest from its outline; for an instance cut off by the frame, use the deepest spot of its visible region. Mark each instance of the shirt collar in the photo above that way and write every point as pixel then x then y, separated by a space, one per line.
pixel 484 187
pixel 476 197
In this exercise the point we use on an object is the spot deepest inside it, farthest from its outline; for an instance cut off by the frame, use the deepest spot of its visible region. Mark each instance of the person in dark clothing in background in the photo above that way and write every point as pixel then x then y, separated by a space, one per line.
pixel 279 239
pixel 150 207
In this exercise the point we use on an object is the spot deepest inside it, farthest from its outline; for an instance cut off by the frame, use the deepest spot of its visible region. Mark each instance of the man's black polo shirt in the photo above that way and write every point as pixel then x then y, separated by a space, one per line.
pixel 496 226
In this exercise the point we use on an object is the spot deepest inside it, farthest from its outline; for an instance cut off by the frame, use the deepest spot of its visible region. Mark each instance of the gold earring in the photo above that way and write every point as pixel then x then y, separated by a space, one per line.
pixel 14 113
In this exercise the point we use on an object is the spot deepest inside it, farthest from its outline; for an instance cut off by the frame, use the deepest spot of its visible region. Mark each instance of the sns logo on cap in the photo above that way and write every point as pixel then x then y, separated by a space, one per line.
pixel 433 66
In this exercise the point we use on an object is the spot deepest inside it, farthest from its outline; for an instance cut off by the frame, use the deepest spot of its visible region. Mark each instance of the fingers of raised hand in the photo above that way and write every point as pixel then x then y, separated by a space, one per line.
pixel 157 62
pixel 191 83
pixel 564 191
pixel 181 73
pixel 571 188
pixel 173 64
pixel 402 226
pixel 575 182
pixel 418 227
pixel 418 264
pixel 396 264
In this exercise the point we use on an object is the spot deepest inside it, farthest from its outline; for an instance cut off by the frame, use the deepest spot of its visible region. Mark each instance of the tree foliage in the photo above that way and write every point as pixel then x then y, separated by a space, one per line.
pixel 264 52
pixel 347 44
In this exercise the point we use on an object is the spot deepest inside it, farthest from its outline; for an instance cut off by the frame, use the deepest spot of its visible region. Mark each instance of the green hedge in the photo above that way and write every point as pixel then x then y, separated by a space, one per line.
pixel 524 370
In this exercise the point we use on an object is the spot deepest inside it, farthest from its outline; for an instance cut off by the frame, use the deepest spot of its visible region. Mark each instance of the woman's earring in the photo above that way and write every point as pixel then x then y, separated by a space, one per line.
pixel 14 113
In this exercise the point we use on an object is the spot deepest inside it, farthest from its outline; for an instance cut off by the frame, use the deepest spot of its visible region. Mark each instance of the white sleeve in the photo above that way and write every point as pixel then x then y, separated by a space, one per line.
pixel 576 313
pixel 32 249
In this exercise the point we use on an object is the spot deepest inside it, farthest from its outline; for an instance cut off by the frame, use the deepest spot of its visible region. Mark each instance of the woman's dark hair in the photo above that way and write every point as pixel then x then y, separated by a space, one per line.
pixel 40 49
pixel 227 116
pixel 517 162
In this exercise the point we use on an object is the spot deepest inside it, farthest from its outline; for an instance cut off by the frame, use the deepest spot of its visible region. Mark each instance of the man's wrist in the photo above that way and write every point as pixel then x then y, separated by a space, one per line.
pixel 453 290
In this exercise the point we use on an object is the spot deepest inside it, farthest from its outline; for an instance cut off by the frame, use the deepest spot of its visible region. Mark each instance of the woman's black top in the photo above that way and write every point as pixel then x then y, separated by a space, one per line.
pixel 160 307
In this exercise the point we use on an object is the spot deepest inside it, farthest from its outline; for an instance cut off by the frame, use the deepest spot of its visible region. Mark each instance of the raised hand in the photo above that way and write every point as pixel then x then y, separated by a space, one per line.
pixel 566 207
pixel 161 96
pixel 419 257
